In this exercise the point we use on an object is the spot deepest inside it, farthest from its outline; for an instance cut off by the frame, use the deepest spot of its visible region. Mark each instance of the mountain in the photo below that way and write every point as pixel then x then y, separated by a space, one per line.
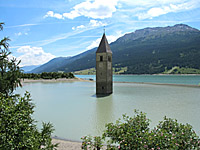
pixel 26 69
pixel 62 63
pixel 51 65
pixel 145 51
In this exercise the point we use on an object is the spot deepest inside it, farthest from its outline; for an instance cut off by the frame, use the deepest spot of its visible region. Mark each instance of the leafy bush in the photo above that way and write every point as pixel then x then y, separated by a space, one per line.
pixel 134 133
pixel 17 128
pixel 89 144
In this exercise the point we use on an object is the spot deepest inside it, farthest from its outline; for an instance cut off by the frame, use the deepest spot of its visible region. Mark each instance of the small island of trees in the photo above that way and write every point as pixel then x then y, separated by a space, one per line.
pixel 47 75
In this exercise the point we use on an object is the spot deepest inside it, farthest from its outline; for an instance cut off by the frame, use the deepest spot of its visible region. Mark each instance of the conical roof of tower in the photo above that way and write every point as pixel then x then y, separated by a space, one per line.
pixel 104 46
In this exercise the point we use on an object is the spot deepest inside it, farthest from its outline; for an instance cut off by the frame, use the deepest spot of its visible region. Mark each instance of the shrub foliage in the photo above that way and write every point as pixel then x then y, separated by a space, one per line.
pixel 17 128
pixel 134 133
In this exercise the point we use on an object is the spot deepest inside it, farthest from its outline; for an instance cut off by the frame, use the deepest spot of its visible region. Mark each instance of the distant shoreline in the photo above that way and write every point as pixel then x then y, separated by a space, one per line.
pixel 84 80
pixel 165 74
pixel 169 84
pixel 151 74
pixel 52 80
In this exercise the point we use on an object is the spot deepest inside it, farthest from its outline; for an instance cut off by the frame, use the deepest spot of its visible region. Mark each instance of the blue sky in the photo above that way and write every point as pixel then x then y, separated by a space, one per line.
pixel 43 29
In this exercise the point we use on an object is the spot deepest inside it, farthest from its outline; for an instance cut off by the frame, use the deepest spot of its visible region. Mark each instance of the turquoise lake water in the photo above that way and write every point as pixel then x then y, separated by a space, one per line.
pixel 169 79
pixel 75 111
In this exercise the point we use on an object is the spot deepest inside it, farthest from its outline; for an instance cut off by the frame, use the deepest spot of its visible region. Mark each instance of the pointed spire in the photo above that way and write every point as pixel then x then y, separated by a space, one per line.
pixel 104 46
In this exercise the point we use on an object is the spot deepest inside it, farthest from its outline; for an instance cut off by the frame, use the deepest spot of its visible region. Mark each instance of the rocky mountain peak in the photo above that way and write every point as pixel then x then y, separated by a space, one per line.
pixel 156 31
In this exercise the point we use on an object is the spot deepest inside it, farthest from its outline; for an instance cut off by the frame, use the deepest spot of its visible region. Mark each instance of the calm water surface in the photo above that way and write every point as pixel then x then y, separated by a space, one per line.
pixel 170 79
pixel 75 111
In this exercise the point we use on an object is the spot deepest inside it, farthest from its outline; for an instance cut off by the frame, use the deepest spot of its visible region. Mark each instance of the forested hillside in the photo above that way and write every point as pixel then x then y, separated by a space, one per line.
pixel 145 51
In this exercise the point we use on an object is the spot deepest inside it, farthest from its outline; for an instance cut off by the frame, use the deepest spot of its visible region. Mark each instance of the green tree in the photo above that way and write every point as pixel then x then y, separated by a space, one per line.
pixel 18 129
pixel 10 71
pixel 134 133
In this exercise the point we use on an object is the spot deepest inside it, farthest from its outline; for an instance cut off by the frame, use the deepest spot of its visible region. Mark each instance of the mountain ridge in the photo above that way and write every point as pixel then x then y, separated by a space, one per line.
pixel 149 31
pixel 26 69
pixel 145 51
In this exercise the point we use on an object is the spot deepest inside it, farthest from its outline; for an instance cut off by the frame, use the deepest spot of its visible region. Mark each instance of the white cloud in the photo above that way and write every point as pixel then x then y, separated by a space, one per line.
pixel 54 15
pixel 20 33
pixel 73 14
pixel 80 27
pixel 94 44
pixel 97 9
pixel 164 7
pixel 73 28
pixel 110 38
pixel 95 23
pixel 154 12
pixel 143 9
pixel 92 23
pixel 33 56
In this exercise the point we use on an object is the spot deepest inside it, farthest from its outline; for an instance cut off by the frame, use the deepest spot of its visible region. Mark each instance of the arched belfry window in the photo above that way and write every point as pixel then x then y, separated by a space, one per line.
pixel 109 58
pixel 101 58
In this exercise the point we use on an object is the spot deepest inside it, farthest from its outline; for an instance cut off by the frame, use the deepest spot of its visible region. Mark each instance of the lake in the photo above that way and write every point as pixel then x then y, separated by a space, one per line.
pixel 169 79
pixel 75 111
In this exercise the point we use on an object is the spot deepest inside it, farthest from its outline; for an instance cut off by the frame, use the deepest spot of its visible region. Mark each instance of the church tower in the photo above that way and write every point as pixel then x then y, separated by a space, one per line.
pixel 104 79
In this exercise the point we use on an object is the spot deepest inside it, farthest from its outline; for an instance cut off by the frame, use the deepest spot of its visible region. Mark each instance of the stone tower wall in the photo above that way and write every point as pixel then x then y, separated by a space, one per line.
pixel 104 73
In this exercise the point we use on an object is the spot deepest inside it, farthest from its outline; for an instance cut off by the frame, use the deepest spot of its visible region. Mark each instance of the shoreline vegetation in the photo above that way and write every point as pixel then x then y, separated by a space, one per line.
pixel 176 70
pixel 47 75
pixel 24 81
pixel 159 74
pixel 52 80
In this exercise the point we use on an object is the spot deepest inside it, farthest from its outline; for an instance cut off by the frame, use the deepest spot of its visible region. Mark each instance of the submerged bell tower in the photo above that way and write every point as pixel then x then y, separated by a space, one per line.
pixel 104 79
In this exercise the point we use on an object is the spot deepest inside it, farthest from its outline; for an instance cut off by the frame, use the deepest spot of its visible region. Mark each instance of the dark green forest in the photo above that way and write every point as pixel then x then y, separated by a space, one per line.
pixel 158 54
